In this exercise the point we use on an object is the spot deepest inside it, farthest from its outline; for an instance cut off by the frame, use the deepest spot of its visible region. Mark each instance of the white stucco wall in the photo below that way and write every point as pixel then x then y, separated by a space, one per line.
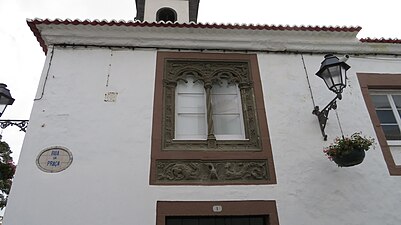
pixel 180 6
pixel 108 181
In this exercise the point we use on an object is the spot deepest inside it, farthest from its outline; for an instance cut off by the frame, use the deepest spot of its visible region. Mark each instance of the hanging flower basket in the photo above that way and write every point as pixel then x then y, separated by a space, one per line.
pixel 349 151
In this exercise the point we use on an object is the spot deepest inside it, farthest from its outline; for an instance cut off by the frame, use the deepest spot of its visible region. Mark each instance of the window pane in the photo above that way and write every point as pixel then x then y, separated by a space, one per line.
pixel 220 221
pixel 216 220
pixel 380 101
pixel 190 221
pixel 397 100
pixel 227 124
pixel 257 220
pixel 225 104
pixel 173 221
pixel 190 126
pixel 386 116
pixel 190 103
pixel 392 132
pixel 207 221
pixel 227 111
pixel 190 109
pixel 240 221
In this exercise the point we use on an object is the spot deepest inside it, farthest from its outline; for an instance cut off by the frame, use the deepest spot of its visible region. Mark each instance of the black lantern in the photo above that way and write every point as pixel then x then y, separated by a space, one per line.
pixel 333 72
pixel 5 98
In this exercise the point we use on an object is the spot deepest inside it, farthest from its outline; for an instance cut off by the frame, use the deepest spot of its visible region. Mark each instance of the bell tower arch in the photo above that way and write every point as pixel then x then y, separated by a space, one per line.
pixel 182 11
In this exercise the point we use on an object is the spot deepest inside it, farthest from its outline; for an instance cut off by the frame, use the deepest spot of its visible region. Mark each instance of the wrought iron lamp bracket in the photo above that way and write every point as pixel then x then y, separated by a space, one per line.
pixel 21 124
pixel 323 115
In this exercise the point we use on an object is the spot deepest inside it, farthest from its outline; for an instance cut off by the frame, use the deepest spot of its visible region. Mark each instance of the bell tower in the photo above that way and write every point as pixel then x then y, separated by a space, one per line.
pixel 182 11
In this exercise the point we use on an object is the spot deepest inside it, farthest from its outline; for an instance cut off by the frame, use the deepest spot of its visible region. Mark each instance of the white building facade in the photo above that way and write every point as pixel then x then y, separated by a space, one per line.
pixel 108 99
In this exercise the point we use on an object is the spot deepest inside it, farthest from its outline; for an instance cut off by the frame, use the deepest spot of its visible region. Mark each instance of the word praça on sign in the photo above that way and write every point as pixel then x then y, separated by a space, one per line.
pixel 54 159
pixel 53 163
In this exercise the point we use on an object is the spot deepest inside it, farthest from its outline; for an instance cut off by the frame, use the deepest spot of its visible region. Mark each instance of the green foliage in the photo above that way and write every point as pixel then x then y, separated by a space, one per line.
pixel 7 170
pixel 345 145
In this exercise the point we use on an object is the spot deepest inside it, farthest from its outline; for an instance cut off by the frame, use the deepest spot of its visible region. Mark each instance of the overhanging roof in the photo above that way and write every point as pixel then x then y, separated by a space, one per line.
pixel 206 36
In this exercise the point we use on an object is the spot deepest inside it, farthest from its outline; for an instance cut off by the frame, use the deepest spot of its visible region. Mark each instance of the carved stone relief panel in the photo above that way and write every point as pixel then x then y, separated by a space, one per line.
pixel 211 171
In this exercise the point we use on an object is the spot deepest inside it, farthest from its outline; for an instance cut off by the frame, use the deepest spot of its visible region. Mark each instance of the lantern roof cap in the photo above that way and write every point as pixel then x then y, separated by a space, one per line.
pixel 329 61
pixel 5 95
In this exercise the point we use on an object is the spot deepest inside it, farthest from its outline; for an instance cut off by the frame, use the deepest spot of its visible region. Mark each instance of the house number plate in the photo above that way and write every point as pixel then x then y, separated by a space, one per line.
pixel 54 159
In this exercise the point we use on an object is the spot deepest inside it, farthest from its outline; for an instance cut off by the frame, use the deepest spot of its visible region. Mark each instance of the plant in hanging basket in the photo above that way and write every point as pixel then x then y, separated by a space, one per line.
pixel 348 151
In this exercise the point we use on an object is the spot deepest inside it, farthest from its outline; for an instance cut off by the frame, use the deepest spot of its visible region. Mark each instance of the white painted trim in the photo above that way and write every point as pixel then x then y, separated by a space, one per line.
pixel 213 38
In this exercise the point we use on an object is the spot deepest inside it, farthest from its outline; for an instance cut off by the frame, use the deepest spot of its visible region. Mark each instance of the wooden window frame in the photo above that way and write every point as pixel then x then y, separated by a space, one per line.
pixel 235 155
pixel 377 81
pixel 228 208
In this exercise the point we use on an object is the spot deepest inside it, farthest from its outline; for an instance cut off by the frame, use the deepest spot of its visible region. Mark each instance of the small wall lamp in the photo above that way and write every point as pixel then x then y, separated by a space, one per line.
pixel 333 72
pixel 5 98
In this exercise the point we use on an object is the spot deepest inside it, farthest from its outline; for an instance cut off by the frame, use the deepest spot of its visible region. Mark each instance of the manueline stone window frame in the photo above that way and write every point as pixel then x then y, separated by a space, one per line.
pixel 377 81
pixel 210 162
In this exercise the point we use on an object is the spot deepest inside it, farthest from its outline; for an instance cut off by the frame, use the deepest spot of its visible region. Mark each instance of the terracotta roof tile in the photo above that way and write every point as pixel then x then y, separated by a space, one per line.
pixel 194 25
pixel 381 40
pixel 33 25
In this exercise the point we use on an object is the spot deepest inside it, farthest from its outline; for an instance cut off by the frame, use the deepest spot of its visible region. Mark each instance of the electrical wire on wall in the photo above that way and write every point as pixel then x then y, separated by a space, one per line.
pixel 339 123
pixel 47 75
pixel 307 79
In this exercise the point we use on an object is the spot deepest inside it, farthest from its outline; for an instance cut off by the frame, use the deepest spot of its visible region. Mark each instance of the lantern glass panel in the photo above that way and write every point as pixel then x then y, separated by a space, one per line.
pixel 4 100
pixel 344 75
pixel 326 75
pixel 2 108
pixel 335 72
pixel 335 78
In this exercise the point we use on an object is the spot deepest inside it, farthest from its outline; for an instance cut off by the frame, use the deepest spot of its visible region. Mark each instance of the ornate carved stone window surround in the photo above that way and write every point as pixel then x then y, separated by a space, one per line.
pixel 209 73
pixel 211 160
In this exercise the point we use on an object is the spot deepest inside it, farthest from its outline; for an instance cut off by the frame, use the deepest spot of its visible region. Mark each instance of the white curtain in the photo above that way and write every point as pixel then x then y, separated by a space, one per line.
pixel 227 111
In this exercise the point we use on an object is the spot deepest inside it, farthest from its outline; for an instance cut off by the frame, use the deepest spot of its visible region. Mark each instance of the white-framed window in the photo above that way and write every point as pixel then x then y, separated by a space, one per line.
pixel 387 105
pixel 191 111
pixel 381 93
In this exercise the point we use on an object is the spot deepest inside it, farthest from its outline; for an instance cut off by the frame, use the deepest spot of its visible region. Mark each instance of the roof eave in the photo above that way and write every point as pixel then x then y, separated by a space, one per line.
pixel 247 37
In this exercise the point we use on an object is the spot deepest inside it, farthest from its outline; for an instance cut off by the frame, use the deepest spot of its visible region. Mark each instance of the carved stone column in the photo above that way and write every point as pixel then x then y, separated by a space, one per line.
pixel 169 92
pixel 211 139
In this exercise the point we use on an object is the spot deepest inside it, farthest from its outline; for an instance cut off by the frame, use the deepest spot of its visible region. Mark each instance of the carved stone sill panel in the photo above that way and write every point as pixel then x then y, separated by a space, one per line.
pixel 198 171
